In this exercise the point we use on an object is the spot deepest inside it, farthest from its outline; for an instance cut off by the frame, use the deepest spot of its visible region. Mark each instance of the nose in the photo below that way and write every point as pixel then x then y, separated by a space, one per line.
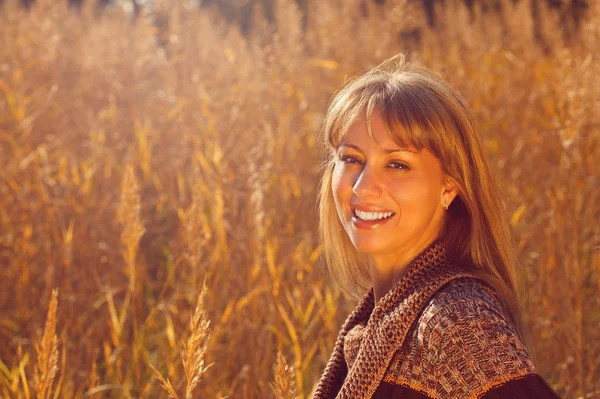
pixel 367 184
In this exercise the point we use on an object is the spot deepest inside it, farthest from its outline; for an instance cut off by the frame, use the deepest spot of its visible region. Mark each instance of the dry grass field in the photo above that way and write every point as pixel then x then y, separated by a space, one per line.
pixel 141 161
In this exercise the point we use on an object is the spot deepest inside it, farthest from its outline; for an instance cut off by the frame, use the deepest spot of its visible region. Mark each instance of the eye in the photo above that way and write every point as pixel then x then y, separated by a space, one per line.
pixel 398 165
pixel 350 159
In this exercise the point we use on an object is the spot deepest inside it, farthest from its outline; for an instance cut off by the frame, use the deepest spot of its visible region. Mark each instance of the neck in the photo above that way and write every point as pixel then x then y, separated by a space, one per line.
pixel 387 271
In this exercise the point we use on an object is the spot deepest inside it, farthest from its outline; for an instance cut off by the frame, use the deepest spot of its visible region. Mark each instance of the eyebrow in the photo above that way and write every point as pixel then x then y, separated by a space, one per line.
pixel 384 150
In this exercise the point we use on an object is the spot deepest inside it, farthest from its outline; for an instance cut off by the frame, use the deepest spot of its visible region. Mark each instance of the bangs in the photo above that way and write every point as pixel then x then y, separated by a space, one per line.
pixel 413 113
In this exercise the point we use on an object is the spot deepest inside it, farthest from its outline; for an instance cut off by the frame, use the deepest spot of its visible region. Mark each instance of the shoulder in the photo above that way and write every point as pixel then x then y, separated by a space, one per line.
pixel 462 345
pixel 472 344
pixel 462 301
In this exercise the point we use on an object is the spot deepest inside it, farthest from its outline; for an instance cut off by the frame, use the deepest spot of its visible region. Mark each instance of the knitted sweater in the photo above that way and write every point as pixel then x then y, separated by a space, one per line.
pixel 439 332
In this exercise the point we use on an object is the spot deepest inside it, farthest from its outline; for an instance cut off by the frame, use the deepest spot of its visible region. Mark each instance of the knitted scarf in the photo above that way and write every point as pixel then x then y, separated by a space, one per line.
pixel 389 322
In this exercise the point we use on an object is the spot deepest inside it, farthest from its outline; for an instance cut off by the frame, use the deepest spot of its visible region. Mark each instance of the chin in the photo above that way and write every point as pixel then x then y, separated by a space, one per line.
pixel 368 246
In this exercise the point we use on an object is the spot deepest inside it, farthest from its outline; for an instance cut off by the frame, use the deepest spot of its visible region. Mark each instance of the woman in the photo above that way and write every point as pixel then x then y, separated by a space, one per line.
pixel 413 226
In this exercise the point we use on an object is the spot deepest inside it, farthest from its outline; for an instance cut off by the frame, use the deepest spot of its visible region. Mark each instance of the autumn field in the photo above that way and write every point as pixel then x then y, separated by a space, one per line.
pixel 142 159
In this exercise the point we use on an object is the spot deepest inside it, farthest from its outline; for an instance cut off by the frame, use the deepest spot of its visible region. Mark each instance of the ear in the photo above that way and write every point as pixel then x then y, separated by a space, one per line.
pixel 449 191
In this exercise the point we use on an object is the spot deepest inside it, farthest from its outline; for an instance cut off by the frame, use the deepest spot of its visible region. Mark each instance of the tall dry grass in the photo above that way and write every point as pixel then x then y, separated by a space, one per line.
pixel 142 158
pixel 47 354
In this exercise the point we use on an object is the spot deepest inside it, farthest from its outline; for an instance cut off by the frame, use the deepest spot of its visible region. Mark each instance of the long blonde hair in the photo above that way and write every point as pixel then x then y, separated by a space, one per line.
pixel 430 114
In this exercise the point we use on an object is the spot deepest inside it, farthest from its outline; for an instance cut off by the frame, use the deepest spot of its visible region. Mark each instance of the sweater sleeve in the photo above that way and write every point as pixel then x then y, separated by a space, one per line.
pixel 479 354
pixel 463 346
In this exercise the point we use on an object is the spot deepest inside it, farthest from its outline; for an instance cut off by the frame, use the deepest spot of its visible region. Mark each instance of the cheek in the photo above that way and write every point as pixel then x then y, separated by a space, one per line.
pixel 413 192
pixel 337 189
pixel 340 183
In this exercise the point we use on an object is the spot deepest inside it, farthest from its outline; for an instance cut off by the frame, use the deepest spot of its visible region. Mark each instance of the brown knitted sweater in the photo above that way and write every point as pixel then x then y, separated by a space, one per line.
pixel 439 332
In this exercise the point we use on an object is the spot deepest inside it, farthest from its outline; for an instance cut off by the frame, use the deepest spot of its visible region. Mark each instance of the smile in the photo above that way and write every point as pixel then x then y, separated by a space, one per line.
pixel 370 216
pixel 370 220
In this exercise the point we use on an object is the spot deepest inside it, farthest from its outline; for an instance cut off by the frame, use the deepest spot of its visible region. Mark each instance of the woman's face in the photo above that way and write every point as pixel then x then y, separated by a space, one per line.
pixel 390 200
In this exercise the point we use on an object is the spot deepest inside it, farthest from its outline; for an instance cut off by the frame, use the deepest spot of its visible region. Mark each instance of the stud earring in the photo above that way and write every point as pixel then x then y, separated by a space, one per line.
pixel 446 206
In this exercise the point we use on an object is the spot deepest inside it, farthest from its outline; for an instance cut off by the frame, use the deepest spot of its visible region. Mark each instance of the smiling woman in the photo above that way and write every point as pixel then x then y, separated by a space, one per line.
pixel 373 177
pixel 413 227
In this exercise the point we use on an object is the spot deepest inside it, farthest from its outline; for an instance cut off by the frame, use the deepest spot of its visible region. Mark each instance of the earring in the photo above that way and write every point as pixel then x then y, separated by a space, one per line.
pixel 446 206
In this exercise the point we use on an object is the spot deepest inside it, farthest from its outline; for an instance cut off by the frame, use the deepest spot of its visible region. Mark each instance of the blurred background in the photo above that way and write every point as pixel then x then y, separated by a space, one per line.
pixel 149 148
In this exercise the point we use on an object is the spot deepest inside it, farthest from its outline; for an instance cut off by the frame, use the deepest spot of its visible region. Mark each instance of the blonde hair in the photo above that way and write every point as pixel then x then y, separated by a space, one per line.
pixel 430 114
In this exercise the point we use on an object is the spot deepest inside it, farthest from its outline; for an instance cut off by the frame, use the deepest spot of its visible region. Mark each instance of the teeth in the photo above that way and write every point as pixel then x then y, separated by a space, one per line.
pixel 372 215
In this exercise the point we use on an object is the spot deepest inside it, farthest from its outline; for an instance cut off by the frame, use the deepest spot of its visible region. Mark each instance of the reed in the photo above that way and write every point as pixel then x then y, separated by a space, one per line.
pixel 47 353
pixel 193 355
pixel 283 381
pixel 142 157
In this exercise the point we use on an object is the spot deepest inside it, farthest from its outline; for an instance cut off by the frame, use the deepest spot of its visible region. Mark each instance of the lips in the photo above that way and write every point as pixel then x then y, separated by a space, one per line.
pixel 378 216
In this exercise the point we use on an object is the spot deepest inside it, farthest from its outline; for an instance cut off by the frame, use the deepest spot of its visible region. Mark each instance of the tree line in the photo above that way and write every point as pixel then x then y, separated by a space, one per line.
pixel 239 12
